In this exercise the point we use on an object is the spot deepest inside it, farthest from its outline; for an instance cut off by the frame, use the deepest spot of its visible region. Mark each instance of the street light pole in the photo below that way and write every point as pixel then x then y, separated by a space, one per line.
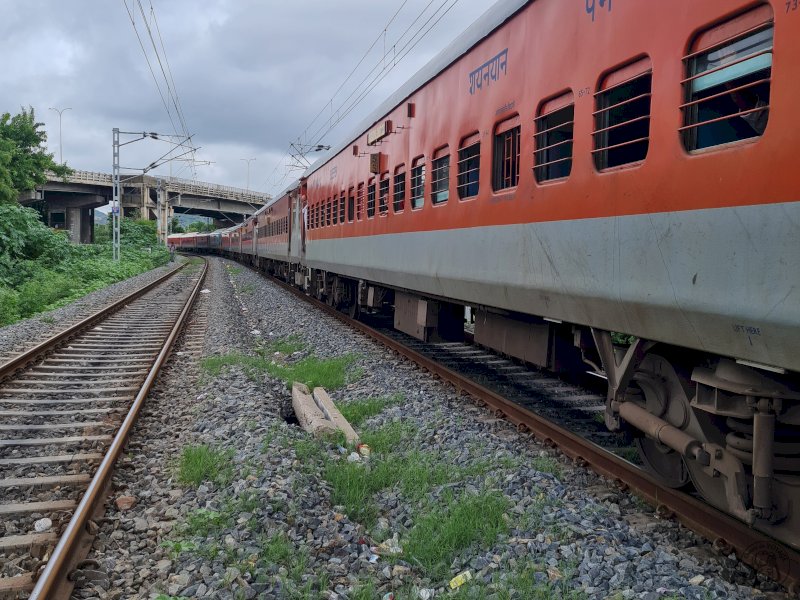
pixel 247 160
pixel 60 148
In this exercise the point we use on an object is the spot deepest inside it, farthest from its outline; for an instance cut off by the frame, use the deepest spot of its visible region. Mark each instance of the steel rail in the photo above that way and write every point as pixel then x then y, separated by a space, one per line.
pixel 64 556
pixel 32 355
pixel 728 534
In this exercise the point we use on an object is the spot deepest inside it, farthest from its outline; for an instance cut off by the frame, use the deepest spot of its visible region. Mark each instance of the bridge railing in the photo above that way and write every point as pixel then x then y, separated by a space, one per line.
pixel 173 184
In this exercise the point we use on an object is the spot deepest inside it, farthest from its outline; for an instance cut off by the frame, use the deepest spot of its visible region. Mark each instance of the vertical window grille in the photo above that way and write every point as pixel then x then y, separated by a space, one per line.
pixel 622 118
pixel 418 183
pixel 469 167
pixel 371 199
pixel 360 202
pixel 335 210
pixel 727 85
pixel 399 191
pixel 328 213
pixel 351 205
pixel 383 195
pixel 440 177
pixel 555 126
pixel 341 207
pixel 506 155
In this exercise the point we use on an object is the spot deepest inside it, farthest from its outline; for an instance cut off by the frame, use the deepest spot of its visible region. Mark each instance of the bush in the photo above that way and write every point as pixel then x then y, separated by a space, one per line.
pixel 40 270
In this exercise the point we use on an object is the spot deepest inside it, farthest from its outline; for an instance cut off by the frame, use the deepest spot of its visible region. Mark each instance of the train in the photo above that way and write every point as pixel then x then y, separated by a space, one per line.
pixel 610 188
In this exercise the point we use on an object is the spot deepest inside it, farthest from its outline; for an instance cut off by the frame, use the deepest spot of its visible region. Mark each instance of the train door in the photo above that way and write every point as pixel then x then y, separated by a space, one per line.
pixel 296 225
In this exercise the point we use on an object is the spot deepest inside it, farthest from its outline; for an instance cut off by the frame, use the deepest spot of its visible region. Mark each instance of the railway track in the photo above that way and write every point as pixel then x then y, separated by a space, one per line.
pixel 586 446
pixel 66 409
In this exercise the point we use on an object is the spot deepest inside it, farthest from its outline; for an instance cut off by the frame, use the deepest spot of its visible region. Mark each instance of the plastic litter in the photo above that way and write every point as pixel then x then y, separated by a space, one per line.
pixel 353 457
pixel 390 546
pixel 42 525
pixel 388 596
pixel 256 332
pixel 460 579
pixel 205 291
pixel 363 450
pixel 373 558
pixel 426 594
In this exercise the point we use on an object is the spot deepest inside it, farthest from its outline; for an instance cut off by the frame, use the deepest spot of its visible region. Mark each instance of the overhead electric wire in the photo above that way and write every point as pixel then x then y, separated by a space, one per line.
pixel 332 122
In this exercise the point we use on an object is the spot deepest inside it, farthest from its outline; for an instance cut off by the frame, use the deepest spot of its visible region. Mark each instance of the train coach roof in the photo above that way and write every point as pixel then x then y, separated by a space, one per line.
pixel 493 18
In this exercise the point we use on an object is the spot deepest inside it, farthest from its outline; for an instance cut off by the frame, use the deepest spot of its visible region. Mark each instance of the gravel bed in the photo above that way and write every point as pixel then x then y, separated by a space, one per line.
pixel 265 525
pixel 25 334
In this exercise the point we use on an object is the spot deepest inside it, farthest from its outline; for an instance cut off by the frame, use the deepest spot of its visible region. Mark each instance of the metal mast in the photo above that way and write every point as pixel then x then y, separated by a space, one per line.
pixel 115 202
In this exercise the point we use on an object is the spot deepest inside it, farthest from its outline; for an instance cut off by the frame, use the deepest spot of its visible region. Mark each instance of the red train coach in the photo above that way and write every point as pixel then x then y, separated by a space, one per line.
pixel 573 169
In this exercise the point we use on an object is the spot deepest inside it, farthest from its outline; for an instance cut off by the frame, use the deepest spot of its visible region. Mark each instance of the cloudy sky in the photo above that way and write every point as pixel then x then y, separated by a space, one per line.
pixel 251 76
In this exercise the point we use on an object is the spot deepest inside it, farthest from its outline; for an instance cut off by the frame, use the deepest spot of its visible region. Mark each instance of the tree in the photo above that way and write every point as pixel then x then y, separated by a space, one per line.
pixel 24 160
pixel 200 226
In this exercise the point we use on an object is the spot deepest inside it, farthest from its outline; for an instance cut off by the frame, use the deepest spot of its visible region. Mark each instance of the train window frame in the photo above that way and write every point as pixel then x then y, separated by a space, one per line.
pixel 634 78
pixel 335 210
pixel 328 205
pixel 399 189
pixel 728 103
pixel 341 208
pixel 417 188
pixel 554 138
pixel 383 194
pixel 506 153
pixel 360 202
pixel 351 204
pixel 440 176
pixel 469 163
pixel 371 192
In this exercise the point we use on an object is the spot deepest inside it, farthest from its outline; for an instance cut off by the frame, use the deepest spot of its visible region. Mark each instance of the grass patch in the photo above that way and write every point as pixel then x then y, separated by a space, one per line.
pixel 547 464
pixel 204 463
pixel 287 345
pixel 446 531
pixel 530 582
pixel 202 521
pixel 247 289
pixel 330 373
pixel 358 411
pixel 234 270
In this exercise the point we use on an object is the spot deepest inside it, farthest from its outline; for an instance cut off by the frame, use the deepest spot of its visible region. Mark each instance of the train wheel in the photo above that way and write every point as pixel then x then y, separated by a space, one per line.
pixel 652 392
pixel 664 463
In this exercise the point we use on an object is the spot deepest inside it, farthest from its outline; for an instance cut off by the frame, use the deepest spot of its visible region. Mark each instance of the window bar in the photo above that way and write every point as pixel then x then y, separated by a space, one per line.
pixel 724 118
pixel 556 145
pixel 559 126
pixel 624 82
pixel 725 93
pixel 622 124
pixel 733 38
pixel 741 59
pixel 553 162
pixel 620 145
pixel 622 103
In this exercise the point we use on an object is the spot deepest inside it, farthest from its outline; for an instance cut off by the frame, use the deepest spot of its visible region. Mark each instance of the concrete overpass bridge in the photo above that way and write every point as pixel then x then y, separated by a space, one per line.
pixel 69 204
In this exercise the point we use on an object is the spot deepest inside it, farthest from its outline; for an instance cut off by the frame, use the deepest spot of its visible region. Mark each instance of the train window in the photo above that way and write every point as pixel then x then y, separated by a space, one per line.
pixel 440 176
pixel 399 191
pixel 383 194
pixel 351 205
pixel 727 85
pixel 360 201
pixel 506 154
pixel 328 213
pixel 418 182
pixel 371 198
pixel 469 164
pixel 622 116
pixel 555 124
pixel 341 207
pixel 335 210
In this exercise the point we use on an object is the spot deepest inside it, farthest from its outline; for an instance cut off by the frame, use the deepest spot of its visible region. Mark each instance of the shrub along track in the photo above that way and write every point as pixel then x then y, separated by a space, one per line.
pixel 766 555
pixel 64 401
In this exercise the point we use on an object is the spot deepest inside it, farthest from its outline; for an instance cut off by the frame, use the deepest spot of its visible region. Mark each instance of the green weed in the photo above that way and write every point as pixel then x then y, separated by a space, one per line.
pixel 330 373
pixel 288 345
pixel 204 463
pixel 446 531
pixel 358 411
pixel 202 521
pixel 547 464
